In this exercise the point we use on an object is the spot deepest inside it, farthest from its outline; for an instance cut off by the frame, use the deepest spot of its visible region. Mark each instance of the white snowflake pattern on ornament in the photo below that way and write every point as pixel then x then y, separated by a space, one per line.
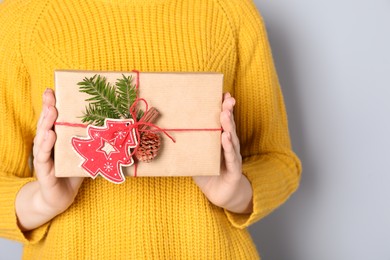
pixel 120 134
pixel 108 166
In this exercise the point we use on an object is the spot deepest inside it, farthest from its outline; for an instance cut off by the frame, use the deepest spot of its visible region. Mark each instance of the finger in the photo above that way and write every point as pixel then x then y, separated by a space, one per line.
pixel 226 95
pixel 50 115
pixel 228 125
pixel 40 131
pixel 48 99
pixel 44 141
pixel 228 104
pixel 45 136
pixel 226 121
pixel 232 160
pixel 43 162
pixel 48 102
pixel 41 116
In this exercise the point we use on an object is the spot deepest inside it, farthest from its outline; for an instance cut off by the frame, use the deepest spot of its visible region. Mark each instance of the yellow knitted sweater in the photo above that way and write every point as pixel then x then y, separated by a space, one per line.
pixel 144 218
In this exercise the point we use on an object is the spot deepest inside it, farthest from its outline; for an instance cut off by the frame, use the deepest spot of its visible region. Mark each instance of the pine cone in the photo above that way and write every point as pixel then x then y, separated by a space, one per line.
pixel 148 147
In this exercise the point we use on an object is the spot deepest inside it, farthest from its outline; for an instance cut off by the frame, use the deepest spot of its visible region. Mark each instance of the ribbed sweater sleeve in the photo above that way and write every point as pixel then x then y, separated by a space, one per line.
pixel 15 133
pixel 268 161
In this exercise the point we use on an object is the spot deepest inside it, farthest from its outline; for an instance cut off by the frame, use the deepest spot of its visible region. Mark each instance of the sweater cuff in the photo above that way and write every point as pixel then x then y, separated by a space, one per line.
pixel 240 221
pixel 272 184
pixel 9 228
pixel 243 220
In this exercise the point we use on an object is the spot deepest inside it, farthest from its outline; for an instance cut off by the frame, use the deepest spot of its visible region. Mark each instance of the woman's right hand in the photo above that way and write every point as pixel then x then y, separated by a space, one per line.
pixel 39 201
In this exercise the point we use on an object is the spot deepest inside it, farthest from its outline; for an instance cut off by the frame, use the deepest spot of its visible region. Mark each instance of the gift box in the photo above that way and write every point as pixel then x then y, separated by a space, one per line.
pixel 188 126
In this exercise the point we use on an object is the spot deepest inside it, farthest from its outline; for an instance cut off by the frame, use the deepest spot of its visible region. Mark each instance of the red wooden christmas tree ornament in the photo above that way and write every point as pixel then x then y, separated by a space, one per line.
pixel 107 149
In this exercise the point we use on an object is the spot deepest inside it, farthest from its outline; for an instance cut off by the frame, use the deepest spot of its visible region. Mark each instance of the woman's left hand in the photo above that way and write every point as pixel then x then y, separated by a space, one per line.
pixel 231 189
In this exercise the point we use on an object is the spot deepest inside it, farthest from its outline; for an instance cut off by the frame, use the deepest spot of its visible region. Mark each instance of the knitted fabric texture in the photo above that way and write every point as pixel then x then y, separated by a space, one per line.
pixel 144 218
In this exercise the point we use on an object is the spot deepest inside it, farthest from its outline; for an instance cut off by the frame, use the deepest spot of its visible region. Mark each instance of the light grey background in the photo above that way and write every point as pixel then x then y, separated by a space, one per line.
pixel 333 61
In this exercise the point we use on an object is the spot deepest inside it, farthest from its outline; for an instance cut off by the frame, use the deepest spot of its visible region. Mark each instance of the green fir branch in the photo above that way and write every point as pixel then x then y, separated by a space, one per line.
pixel 108 101
pixel 127 94
pixel 96 115
pixel 103 94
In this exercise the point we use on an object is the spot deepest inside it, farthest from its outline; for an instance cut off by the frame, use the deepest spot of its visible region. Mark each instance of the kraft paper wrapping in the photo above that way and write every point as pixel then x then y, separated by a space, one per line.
pixel 184 100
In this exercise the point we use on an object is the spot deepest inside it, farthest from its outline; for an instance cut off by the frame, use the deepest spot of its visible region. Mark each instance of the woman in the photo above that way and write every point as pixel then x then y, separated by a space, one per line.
pixel 144 218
